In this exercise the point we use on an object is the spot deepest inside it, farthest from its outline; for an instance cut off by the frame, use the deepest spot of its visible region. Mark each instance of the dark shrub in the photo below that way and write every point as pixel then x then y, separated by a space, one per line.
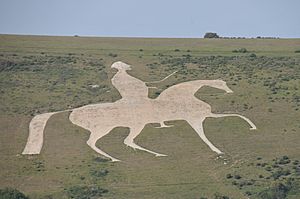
pixel 280 173
pixel 296 162
pixel 261 176
pixel 240 50
pixel 234 183
pixel 86 192
pixel 112 55
pixel 284 160
pixel 228 176
pixel 285 157
pixel 99 173
pixel 268 169
pixel 248 193
pixel 237 176
pixel 99 159
pixel 277 191
pixel 219 196
pixel 10 193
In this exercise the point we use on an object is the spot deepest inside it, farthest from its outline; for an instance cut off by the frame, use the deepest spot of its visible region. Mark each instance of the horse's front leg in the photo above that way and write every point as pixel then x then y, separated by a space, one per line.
pixel 253 127
pixel 198 127
pixel 163 125
pixel 134 132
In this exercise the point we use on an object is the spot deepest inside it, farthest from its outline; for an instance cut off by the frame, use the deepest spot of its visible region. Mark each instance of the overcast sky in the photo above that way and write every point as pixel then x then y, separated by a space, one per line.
pixel 151 18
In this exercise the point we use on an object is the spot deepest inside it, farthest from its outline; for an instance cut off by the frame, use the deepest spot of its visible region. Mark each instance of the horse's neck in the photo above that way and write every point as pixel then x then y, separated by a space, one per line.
pixel 187 89
pixel 215 84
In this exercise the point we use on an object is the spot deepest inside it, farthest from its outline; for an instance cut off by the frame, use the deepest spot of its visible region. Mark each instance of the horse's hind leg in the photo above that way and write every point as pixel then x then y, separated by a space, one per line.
pixel 198 127
pixel 253 127
pixel 94 137
pixel 129 140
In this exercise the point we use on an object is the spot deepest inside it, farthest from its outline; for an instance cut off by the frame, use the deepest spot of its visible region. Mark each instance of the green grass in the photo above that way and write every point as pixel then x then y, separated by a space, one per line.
pixel 42 74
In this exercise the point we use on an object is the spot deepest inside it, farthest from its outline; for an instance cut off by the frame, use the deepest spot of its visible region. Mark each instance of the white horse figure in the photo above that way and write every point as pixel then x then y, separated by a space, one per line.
pixel 134 110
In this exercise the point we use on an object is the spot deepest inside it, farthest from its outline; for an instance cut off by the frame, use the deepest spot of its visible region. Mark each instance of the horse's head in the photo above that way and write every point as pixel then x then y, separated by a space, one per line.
pixel 220 84
pixel 121 66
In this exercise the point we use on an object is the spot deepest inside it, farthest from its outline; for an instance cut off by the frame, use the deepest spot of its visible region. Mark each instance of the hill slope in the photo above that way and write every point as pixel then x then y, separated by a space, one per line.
pixel 41 74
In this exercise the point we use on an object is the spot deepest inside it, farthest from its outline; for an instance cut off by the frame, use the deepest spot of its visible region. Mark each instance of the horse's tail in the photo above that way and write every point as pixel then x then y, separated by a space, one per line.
pixel 36 133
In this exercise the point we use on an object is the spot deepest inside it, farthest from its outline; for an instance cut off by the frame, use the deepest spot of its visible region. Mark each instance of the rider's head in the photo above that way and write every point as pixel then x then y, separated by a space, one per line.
pixel 121 66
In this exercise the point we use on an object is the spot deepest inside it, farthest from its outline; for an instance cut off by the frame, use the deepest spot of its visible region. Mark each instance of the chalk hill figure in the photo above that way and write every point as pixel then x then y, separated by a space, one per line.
pixel 134 110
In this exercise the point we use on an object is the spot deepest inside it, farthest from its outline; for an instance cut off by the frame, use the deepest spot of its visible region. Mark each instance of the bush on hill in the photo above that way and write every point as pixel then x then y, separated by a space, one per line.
pixel 86 192
pixel 240 50
pixel 278 190
pixel 10 193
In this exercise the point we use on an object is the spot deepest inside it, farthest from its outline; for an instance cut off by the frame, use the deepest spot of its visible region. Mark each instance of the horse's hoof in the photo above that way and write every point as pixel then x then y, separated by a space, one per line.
pixel 160 155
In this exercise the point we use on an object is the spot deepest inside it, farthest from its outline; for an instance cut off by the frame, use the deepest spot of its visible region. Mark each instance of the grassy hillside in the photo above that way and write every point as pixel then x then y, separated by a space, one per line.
pixel 41 74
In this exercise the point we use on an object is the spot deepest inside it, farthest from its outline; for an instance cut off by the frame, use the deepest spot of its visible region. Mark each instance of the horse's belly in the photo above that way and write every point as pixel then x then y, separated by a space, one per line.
pixel 92 116
pixel 182 110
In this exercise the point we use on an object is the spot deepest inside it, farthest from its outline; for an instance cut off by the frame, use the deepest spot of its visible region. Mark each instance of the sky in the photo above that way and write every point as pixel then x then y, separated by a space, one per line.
pixel 151 18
